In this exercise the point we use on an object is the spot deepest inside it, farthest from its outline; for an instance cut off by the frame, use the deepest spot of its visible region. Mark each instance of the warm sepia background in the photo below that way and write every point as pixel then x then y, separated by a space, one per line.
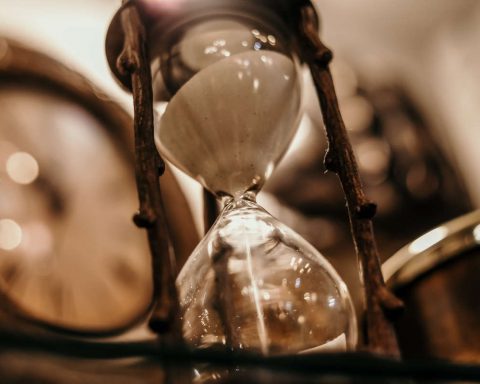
pixel 429 47
pixel 408 79
pixel 407 74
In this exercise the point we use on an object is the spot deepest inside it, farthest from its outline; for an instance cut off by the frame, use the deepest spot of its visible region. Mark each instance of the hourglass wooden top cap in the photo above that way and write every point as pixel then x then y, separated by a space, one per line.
pixel 159 16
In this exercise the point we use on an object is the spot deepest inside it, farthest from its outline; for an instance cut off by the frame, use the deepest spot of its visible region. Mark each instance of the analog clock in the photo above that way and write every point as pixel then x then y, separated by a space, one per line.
pixel 70 255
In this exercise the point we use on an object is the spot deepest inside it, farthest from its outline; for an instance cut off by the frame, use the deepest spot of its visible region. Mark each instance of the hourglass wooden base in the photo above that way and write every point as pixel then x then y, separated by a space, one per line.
pixel 133 70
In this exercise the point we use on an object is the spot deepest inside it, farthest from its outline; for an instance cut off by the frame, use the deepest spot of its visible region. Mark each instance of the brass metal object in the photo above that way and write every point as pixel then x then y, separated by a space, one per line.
pixel 437 277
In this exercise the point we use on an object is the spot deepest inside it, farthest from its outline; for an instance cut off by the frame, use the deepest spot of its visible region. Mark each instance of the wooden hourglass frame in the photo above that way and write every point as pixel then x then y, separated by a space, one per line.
pixel 127 52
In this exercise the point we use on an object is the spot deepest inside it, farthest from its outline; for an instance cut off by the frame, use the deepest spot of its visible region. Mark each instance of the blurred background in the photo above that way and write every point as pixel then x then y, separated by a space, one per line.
pixel 423 53
pixel 408 80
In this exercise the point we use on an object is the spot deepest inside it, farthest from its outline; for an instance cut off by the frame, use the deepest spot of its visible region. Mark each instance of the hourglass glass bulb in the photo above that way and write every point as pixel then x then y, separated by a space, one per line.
pixel 231 122
pixel 253 283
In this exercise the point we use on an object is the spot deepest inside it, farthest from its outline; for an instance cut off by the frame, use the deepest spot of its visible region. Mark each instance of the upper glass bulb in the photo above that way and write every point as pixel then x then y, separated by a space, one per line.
pixel 234 107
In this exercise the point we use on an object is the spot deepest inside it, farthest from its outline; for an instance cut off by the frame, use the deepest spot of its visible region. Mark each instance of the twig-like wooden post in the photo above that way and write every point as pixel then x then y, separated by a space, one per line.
pixel 133 60
pixel 381 304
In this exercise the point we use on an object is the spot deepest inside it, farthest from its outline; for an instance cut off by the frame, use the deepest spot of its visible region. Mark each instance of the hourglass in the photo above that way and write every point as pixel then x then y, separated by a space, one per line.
pixel 252 282
pixel 223 80
pixel 234 98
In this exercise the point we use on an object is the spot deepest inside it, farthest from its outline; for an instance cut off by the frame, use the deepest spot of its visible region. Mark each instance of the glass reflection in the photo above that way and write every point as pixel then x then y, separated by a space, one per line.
pixel 22 168
pixel 10 234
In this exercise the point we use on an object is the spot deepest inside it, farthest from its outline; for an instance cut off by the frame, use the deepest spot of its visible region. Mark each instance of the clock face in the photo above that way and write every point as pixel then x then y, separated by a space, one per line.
pixel 70 255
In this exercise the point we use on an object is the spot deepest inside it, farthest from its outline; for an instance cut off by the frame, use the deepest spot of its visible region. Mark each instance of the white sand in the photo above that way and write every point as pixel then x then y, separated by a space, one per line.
pixel 230 123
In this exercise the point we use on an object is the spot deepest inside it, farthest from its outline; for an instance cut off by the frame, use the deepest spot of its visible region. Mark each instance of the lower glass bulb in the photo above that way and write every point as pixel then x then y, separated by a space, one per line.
pixel 253 283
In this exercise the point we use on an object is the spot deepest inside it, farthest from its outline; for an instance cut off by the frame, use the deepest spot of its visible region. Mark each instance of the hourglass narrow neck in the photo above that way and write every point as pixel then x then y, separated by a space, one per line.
pixel 229 200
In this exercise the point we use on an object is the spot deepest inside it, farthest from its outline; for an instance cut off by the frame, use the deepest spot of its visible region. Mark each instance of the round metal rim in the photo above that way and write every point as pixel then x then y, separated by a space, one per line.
pixel 443 243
